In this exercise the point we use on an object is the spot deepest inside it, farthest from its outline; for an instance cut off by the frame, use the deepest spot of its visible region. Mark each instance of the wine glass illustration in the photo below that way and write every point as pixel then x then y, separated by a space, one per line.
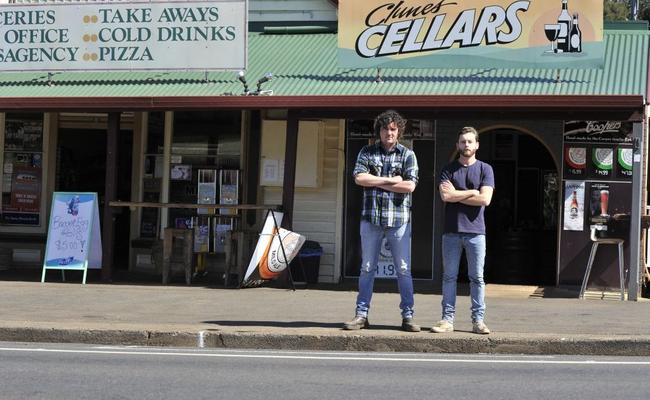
pixel 552 32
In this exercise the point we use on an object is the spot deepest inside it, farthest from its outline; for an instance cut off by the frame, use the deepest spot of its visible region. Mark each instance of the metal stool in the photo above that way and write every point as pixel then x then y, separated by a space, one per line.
pixel 592 255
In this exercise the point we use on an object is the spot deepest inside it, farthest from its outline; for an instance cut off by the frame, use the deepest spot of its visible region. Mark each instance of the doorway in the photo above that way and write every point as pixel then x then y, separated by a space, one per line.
pixel 419 138
pixel 521 222
pixel 81 167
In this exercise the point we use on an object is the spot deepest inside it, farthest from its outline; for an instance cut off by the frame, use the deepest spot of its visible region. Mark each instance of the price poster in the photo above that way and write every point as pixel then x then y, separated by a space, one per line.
pixel 385 265
pixel 624 158
pixel 603 162
pixel 73 237
pixel 575 162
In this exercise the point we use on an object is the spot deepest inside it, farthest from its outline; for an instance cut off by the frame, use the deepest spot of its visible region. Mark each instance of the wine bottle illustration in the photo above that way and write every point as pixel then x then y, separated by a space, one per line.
pixel 576 36
pixel 565 22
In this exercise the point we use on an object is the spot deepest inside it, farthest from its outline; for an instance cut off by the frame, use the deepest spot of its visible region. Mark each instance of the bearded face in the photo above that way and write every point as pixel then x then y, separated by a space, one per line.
pixel 468 152
pixel 467 145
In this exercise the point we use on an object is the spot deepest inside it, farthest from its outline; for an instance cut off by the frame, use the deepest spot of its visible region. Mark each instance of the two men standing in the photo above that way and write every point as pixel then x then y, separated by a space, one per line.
pixel 388 172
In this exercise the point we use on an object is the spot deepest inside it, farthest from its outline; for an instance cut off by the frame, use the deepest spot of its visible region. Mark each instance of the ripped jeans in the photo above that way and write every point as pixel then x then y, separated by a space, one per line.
pixel 399 240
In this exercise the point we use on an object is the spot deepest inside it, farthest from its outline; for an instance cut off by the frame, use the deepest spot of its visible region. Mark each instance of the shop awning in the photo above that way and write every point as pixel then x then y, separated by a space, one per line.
pixel 306 76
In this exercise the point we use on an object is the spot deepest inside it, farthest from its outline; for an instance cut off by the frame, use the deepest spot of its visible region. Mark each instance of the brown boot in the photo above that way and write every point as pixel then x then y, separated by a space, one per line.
pixel 409 325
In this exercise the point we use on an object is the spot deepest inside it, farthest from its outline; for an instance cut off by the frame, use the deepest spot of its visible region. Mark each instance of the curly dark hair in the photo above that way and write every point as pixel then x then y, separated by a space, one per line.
pixel 384 119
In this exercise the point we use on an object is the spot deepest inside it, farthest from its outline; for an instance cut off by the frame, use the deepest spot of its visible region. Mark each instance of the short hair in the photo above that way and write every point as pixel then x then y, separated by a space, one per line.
pixel 468 129
pixel 384 119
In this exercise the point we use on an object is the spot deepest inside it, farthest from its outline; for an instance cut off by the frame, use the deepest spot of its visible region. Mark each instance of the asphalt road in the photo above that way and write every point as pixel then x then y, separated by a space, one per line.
pixel 53 371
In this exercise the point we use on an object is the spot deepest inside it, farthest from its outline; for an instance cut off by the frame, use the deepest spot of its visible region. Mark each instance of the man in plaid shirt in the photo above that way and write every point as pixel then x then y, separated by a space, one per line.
pixel 388 173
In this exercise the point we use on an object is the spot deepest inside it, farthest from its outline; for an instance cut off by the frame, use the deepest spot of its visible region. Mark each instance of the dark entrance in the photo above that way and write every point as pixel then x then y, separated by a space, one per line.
pixel 81 167
pixel 419 137
pixel 522 218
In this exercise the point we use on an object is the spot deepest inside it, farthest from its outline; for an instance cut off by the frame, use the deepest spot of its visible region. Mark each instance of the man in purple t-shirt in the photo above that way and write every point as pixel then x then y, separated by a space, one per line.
pixel 466 187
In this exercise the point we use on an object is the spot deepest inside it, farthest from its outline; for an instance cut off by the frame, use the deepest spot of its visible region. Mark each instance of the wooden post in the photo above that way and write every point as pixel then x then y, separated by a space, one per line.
pixel 252 164
pixel 290 153
pixel 110 189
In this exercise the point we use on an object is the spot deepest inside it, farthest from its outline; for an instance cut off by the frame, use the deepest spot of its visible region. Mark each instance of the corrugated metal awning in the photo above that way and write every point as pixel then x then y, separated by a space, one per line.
pixel 306 74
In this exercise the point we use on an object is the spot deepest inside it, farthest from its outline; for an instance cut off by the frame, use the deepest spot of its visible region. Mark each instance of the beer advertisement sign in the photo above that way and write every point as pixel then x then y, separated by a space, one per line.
pixel 599 200
pixel 624 157
pixel 604 132
pixel 598 150
pixel 471 34
pixel 574 205
pixel 575 161
pixel 156 35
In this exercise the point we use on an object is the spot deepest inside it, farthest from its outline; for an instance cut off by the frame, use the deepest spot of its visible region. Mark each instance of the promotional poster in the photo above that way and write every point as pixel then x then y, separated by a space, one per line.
pixel 574 205
pixel 599 200
pixel 385 264
pixel 575 162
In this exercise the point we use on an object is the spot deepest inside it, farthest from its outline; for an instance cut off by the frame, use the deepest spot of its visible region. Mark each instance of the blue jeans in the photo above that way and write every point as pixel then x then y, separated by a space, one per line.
pixel 399 240
pixel 452 247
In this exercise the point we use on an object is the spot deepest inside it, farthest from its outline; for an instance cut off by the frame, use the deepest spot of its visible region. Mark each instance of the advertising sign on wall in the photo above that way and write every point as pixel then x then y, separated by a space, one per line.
pixel 471 34
pixel 157 35
pixel 22 172
pixel 597 175
pixel 603 132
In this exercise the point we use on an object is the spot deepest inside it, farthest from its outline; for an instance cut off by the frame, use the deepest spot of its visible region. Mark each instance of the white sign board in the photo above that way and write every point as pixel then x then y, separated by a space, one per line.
pixel 73 237
pixel 161 35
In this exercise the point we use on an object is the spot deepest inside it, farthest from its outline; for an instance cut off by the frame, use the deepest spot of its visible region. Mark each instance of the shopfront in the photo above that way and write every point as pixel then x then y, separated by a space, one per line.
pixel 185 130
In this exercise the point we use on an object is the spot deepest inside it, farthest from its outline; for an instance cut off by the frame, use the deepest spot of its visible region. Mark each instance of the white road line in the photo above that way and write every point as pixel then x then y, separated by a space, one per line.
pixel 333 358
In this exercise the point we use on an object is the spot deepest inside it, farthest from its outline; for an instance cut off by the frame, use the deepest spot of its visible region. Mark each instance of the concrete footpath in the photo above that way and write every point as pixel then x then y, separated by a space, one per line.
pixel 524 319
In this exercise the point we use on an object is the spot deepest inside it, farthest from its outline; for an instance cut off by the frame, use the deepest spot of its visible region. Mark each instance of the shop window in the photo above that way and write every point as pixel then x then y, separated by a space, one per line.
pixel 205 163
pixel 22 170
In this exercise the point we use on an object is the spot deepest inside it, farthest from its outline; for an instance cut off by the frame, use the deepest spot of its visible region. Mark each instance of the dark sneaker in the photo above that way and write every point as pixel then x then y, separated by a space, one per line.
pixel 409 325
pixel 356 324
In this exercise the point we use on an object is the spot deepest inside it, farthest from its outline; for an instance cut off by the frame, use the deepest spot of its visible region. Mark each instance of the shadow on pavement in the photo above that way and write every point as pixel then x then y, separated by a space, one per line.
pixel 278 324
pixel 303 324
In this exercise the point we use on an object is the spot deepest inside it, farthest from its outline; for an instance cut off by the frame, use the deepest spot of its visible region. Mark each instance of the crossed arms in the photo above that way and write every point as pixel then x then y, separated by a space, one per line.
pixel 392 184
pixel 471 197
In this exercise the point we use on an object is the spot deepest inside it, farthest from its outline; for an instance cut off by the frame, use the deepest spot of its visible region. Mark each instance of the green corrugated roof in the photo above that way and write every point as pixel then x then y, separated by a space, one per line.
pixel 305 64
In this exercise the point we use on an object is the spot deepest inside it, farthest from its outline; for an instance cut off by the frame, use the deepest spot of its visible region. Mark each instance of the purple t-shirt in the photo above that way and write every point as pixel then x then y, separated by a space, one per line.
pixel 461 218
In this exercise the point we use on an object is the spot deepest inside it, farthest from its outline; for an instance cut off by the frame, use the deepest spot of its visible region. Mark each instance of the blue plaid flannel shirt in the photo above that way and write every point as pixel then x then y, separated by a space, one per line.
pixel 382 207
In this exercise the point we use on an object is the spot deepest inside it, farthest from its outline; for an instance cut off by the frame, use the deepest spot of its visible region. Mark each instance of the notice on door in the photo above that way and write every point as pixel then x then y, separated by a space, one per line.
pixel 73 236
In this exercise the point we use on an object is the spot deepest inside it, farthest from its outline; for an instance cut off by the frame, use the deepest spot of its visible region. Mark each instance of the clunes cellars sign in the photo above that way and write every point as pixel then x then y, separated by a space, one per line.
pixel 471 34
pixel 169 35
